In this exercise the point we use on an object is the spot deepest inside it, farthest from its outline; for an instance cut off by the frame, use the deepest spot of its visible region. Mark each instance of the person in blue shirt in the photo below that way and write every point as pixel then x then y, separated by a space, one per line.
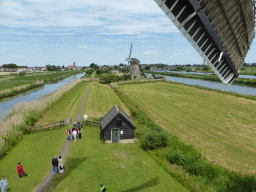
pixel 3 184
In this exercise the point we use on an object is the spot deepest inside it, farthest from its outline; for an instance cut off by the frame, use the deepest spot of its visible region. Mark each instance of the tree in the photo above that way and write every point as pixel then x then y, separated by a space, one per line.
pixel 52 68
pixel 11 65
pixel 206 68
pixel 121 64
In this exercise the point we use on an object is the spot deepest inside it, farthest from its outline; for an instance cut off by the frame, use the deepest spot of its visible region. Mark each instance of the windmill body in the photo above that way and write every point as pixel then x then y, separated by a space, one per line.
pixel 134 69
pixel 134 66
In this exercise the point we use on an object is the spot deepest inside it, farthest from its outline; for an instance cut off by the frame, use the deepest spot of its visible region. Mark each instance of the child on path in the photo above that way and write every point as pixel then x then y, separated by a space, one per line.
pixel 20 170
pixel 61 167
pixel 69 134
pixel 3 184
pixel 80 133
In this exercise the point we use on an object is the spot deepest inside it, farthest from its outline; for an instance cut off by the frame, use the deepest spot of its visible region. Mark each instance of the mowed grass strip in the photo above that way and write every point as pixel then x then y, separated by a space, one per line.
pixel 35 153
pixel 68 106
pixel 100 100
pixel 120 167
pixel 221 126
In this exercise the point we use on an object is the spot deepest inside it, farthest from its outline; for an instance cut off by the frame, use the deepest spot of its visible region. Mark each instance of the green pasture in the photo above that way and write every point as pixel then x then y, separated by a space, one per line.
pixel 35 153
pixel 100 100
pixel 46 77
pixel 67 107
pixel 10 84
pixel 120 167
pixel 221 126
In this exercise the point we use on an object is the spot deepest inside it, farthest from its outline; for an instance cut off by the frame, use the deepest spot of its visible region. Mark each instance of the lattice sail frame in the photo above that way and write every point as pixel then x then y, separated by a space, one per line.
pixel 221 31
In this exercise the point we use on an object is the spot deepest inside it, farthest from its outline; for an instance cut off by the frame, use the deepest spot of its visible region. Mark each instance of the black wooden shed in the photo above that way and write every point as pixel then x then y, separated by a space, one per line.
pixel 117 127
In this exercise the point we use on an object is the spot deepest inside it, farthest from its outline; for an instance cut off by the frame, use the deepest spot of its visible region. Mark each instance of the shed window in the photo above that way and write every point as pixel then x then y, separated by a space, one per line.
pixel 119 123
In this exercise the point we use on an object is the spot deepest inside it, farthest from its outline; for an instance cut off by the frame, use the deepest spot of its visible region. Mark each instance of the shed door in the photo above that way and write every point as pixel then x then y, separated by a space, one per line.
pixel 115 136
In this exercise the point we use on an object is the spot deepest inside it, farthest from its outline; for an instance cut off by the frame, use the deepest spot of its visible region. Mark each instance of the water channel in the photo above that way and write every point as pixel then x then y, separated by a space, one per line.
pixel 197 73
pixel 214 85
pixel 7 106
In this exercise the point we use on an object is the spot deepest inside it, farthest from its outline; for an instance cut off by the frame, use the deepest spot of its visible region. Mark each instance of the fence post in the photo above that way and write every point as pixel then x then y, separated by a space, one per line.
pixel 48 126
pixel 54 125
pixel 41 128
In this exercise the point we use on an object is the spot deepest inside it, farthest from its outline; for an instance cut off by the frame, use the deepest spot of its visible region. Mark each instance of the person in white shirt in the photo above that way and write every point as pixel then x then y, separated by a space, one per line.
pixel 74 134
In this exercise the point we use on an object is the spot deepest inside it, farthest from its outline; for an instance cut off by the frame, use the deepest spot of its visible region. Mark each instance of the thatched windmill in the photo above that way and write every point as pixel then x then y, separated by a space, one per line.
pixel 134 66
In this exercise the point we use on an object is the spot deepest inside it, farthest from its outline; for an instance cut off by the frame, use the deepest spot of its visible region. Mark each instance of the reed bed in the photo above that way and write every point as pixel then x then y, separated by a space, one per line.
pixel 23 114
pixel 16 90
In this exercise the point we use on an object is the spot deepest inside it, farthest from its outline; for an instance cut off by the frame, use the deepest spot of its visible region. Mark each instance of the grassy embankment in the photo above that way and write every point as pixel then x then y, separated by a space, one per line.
pixel 221 126
pixel 19 84
pixel 36 150
pixel 240 81
pixel 121 167
pixel 26 114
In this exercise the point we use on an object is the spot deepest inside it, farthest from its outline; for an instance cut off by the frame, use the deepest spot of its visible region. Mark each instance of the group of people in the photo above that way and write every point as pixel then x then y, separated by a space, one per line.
pixel 75 133
pixel 58 164
pixel 4 183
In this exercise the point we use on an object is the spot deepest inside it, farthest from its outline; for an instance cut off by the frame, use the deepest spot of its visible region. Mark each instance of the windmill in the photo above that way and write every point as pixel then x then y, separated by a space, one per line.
pixel 134 66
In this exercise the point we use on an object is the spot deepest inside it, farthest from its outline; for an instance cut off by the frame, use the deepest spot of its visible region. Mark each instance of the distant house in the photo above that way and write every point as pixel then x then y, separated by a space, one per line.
pixel 2 69
pixel 73 67
pixel 117 127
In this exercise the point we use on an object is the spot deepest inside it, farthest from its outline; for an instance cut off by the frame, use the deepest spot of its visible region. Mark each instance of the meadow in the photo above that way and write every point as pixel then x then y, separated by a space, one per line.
pixel 100 100
pixel 120 167
pixel 221 126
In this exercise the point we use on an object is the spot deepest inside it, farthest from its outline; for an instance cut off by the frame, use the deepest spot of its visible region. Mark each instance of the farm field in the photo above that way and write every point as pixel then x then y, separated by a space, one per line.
pixel 9 84
pixel 67 107
pixel 100 100
pixel 221 126
pixel 120 167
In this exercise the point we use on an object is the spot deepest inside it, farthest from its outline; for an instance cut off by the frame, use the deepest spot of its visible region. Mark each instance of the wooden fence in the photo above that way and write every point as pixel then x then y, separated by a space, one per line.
pixel 98 123
pixel 48 126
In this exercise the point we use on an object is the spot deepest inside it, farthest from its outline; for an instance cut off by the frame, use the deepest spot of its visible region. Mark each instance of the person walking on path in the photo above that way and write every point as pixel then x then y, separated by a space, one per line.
pixel 77 132
pixel 80 133
pixel 20 170
pixel 69 134
pixel 102 188
pixel 3 184
pixel 74 134
pixel 55 164
pixel 61 167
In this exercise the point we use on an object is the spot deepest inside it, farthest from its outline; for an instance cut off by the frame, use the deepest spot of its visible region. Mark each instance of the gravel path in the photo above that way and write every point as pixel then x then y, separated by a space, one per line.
pixel 63 154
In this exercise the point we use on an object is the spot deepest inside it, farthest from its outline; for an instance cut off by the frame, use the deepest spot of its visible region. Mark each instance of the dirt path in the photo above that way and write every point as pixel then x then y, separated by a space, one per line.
pixel 63 154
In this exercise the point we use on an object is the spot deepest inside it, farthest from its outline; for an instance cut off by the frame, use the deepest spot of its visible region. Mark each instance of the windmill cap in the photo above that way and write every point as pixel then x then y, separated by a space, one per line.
pixel 134 60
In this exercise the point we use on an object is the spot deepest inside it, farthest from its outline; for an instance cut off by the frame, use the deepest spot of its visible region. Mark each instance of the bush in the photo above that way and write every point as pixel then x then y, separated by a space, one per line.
pixel 155 139
pixel 23 73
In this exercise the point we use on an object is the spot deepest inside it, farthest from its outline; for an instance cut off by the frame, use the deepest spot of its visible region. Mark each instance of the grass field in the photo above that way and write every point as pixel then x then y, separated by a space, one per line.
pixel 11 84
pixel 100 100
pixel 68 107
pixel 34 152
pixel 221 126
pixel 120 167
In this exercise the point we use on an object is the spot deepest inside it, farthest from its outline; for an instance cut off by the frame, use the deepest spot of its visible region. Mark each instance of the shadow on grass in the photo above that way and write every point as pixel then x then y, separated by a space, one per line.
pixel 150 183
pixel 69 166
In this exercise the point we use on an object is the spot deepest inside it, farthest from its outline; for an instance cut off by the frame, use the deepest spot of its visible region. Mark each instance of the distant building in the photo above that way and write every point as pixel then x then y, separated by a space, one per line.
pixel 117 127
pixel 73 67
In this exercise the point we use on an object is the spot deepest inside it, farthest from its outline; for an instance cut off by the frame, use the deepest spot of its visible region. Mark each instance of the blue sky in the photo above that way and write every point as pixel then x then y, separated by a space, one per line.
pixel 60 32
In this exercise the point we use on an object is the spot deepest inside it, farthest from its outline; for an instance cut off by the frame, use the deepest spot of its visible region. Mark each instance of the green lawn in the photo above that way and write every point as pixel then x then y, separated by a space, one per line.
pixel 34 152
pixel 100 100
pixel 68 106
pixel 10 84
pixel 221 126
pixel 120 167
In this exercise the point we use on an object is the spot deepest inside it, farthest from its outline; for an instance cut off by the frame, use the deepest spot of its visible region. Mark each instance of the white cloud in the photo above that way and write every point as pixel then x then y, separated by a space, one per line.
pixel 82 46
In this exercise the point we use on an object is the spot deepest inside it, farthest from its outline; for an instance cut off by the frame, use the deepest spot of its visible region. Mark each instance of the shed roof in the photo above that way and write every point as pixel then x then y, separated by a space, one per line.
pixel 112 114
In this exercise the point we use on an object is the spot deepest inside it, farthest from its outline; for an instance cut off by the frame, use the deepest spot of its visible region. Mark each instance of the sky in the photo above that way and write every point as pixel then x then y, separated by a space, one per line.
pixel 60 32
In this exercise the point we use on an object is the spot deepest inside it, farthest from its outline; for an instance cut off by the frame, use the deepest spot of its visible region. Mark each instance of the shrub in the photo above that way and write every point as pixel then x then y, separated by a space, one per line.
pixel 155 139
pixel 23 73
